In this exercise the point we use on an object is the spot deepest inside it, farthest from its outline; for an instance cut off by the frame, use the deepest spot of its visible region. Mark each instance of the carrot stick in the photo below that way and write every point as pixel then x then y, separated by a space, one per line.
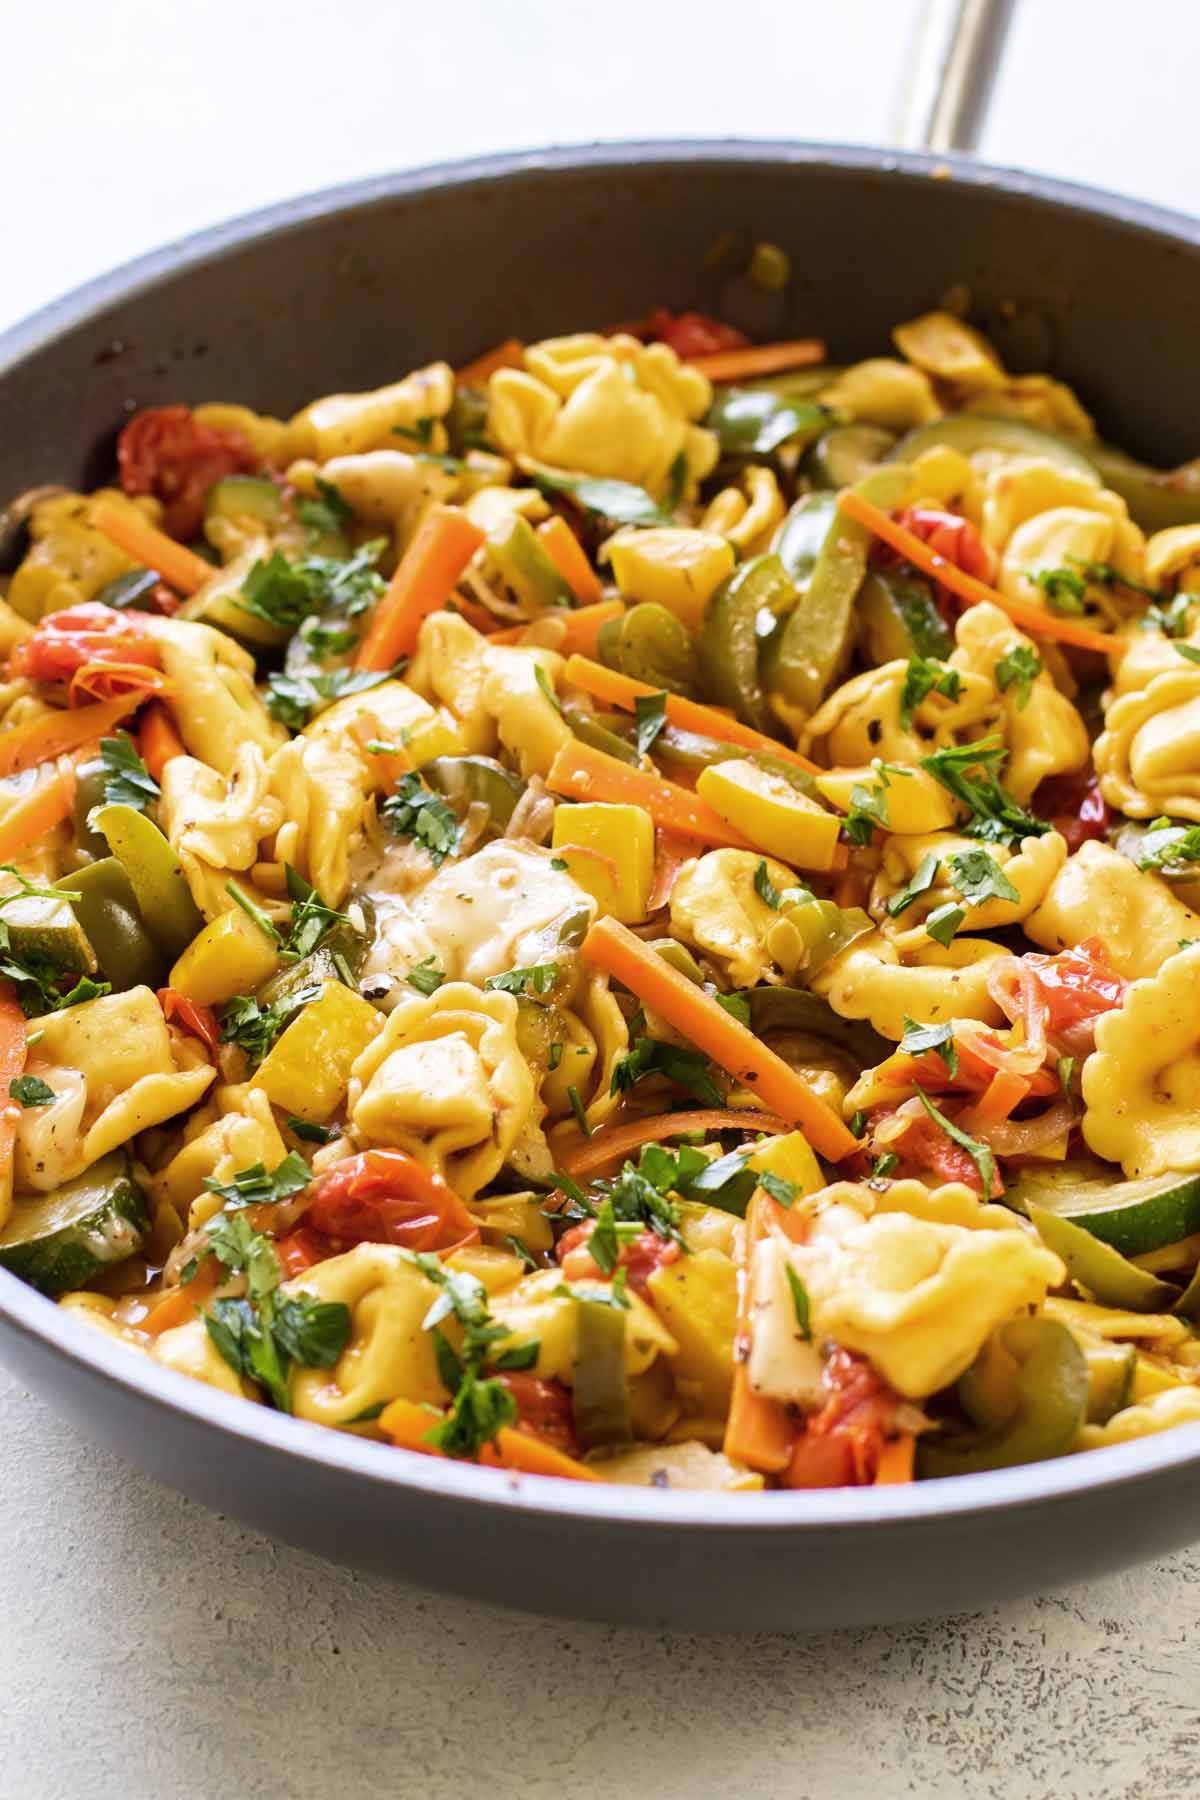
pixel 759 359
pixel 896 1461
pixel 581 773
pixel 624 691
pixel 705 1023
pixel 179 1306
pixel 967 587
pixel 614 1144
pixel 477 616
pixel 568 556
pixel 508 355
pixel 126 528
pixel 406 1423
pixel 36 814
pixel 13 1044
pixel 579 627
pixel 758 1431
pixel 445 542
pixel 57 734
pixel 158 740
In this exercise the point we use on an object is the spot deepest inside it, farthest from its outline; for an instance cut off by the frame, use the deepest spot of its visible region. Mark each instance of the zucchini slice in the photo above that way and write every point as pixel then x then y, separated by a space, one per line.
pixel 1135 1217
pixel 968 432
pixel 58 1241
pixel 49 928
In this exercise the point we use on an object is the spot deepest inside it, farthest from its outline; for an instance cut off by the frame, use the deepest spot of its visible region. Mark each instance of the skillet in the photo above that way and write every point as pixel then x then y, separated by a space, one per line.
pixel 346 289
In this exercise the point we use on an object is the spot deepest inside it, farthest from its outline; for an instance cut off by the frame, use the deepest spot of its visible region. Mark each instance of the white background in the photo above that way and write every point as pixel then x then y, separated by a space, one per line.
pixel 149 1649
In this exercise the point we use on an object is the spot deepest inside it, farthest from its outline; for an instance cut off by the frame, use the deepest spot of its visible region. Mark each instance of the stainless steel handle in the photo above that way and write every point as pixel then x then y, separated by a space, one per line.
pixel 954 69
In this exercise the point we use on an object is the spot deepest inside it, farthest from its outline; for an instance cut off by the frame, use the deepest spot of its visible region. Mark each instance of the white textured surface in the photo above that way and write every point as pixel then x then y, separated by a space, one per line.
pixel 152 1650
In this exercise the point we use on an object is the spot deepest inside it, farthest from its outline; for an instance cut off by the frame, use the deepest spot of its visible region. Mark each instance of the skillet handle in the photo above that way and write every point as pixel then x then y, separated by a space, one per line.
pixel 955 63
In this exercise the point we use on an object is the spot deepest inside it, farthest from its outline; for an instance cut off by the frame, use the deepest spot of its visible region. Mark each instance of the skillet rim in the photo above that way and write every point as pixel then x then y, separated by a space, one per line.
pixel 30 1314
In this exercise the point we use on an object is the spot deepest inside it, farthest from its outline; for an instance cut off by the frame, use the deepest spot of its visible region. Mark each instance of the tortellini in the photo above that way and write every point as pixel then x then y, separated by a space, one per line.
pixel 1099 893
pixel 388 488
pixel 349 424
pixel 716 907
pixel 862 719
pixel 388 1356
pixel 1030 869
pixel 215 703
pixel 70 561
pixel 605 406
pixel 1140 1085
pixel 541 1309
pixel 949 349
pixel 747 515
pixel 320 790
pixel 215 824
pixel 1160 1412
pixel 1148 755
pixel 446 1082
pixel 915 1296
pixel 1042 730
pixel 870 981
pixel 1040 516
pixel 242 1132
pixel 884 392
pixel 114 1070
pixel 451 669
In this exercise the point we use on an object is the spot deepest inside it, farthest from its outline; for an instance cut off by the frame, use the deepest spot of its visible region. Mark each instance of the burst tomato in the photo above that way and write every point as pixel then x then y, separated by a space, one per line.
pixel 200 1021
pixel 166 452
pixel 1075 807
pixel 692 334
pixel 1077 986
pixel 639 1257
pixel 840 1444
pixel 300 1249
pixel 949 536
pixel 386 1197
pixel 543 1410
pixel 65 641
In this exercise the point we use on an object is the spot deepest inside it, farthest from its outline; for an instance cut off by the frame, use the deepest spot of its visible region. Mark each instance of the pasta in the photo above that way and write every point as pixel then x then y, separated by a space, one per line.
pixel 620 927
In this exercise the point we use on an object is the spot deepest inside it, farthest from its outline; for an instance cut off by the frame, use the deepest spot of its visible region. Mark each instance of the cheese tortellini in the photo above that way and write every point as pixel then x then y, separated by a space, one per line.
pixel 1148 755
pixel 1140 1086
pixel 1099 893
pixel 871 981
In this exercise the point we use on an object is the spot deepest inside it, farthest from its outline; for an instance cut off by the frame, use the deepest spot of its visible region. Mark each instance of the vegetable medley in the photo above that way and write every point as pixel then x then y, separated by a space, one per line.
pixel 629 913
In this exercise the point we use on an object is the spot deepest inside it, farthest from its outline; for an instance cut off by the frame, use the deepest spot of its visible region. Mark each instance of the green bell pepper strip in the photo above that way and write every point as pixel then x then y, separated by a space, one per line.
pixel 743 611
pixel 588 729
pixel 465 779
pixel 156 875
pixel 754 421
pixel 805 658
pixel 898 617
pixel 1051 1404
pixel 774 1009
pixel 108 912
pixel 600 1394
pixel 653 646
pixel 677 956
pixel 1188 1303
pixel 338 957
pixel 91 778
pixel 1103 1271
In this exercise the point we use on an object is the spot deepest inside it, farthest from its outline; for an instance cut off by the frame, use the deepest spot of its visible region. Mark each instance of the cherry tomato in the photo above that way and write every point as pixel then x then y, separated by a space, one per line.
pixel 639 1257
pixel 64 642
pixel 167 453
pixel 387 1197
pixel 543 1410
pixel 692 334
pixel 300 1249
pixel 950 536
pixel 1077 986
pixel 840 1444
pixel 925 1148
pixel 1075 807
pixel 200 1021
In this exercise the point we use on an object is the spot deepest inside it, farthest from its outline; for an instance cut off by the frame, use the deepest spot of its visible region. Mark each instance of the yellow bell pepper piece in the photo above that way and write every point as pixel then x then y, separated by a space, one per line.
pixel 791 1158
pixel 1152 1377
pixel 696 1299
pixel 308 1070
pixel 679 569
pixel 390 714
pixel 609 851
pixel 497 1269
pixel 767 809
pixel 915 802
pixel 230 956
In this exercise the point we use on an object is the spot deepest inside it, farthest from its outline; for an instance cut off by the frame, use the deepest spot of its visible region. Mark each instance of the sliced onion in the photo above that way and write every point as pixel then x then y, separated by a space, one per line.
pixel 1022 1137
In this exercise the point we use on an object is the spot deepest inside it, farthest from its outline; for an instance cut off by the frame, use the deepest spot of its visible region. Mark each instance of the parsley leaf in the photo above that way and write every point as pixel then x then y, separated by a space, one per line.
pixel 284 593
pixel 800 1302
pixel 295 699
pixel 1171 619
pixel 1066 1070
pixel 604 1244
pixel 618 501
pixel 482 1404
pixel 1189 652
pixel 969 773
pixel 128 781
pixel 764 887
pixel 1168 847
pixel 918 1039
pixel 736 1005
pixel 1065 590
pixel 426 977
pixel 979 877
pixel 544 682
pixel 979 1154
pixel 577 1107
pixel 522 1250
pixel 536 980
pixel 1019 668
pixel 781 1191
pixel 254 1027
pixel 327 513
pixel 926 676
pixel 555 1057
pixel 256 1187
pixel 254 911
pixel 31 1090
pixel 688 1069
pixel 923 878
pixel 884 1165
pixel 312 920
pixel 651 712
pixel 868 808
pixel 415 811
pixel 310 1133
pixel 942 923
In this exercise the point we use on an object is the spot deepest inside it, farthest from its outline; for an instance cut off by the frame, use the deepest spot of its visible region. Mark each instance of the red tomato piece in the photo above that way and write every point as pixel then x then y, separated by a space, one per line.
pixel 925 1148
pixel 1075 807
pixel 948 535
pixel 1077 985
pixel 639 1257
pixel 166 452
pixel 64 642
pixel 200 1021
pixel 691 333
pixel 300 1249
pixel 543 1410
pixel 387 1197
pixel 839 1445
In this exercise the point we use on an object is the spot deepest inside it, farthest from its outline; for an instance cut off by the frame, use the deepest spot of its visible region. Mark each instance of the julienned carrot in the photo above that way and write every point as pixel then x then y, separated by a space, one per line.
pixel 158 740
pixel 704 1022
pixel 445 542
pixel 57 734
pixel 967 587
pixel 896 1459
pixel 569 558
pixel 615 1145
pixel 35 814
pixel 689 715
pixel 508 355
pixel 406 1423
pixel 580 628
pixel 13 1044
pixel 581 773
pixel 759 359
pixel 181 1304
pixel 124 526
pixel 758 1430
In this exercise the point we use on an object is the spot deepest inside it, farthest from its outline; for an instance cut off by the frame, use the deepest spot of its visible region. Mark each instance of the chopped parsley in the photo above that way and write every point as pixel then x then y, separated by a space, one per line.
pixel 295 699
pixel 969 773
pixel 1066 1071
pixel 1019 668
pixel 539 979
pixel 310 1133
pixel 284 594
pixel 782 1192
pixel 522 1250
pixel 979 877
pixel 604 1244
pixel 554 1058
pixel 1171 619
pixel 920 1039
pixel 253 910
pixel 979 1153
pixel 254 1027
pixel 312 920
pixel 326 514
pixel 618 501
pixel 922 879
pixel 764 887
pixel 800 1304
pixel 577 1107
pixel 128 782
pixel 1065 590
pixel 482 1404
pixel 925 676
pixel 942 923
pixel 868 808
pixel 1189 652
pixel 543 681
pixel 648 1056
pixel 1169 847
pixel 256 1186
pixel 415 811
pixel 884 1165
pixel 736 1005
pixel 36 977
pixel 31 1090
pixel 651 710
pixel 426 977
